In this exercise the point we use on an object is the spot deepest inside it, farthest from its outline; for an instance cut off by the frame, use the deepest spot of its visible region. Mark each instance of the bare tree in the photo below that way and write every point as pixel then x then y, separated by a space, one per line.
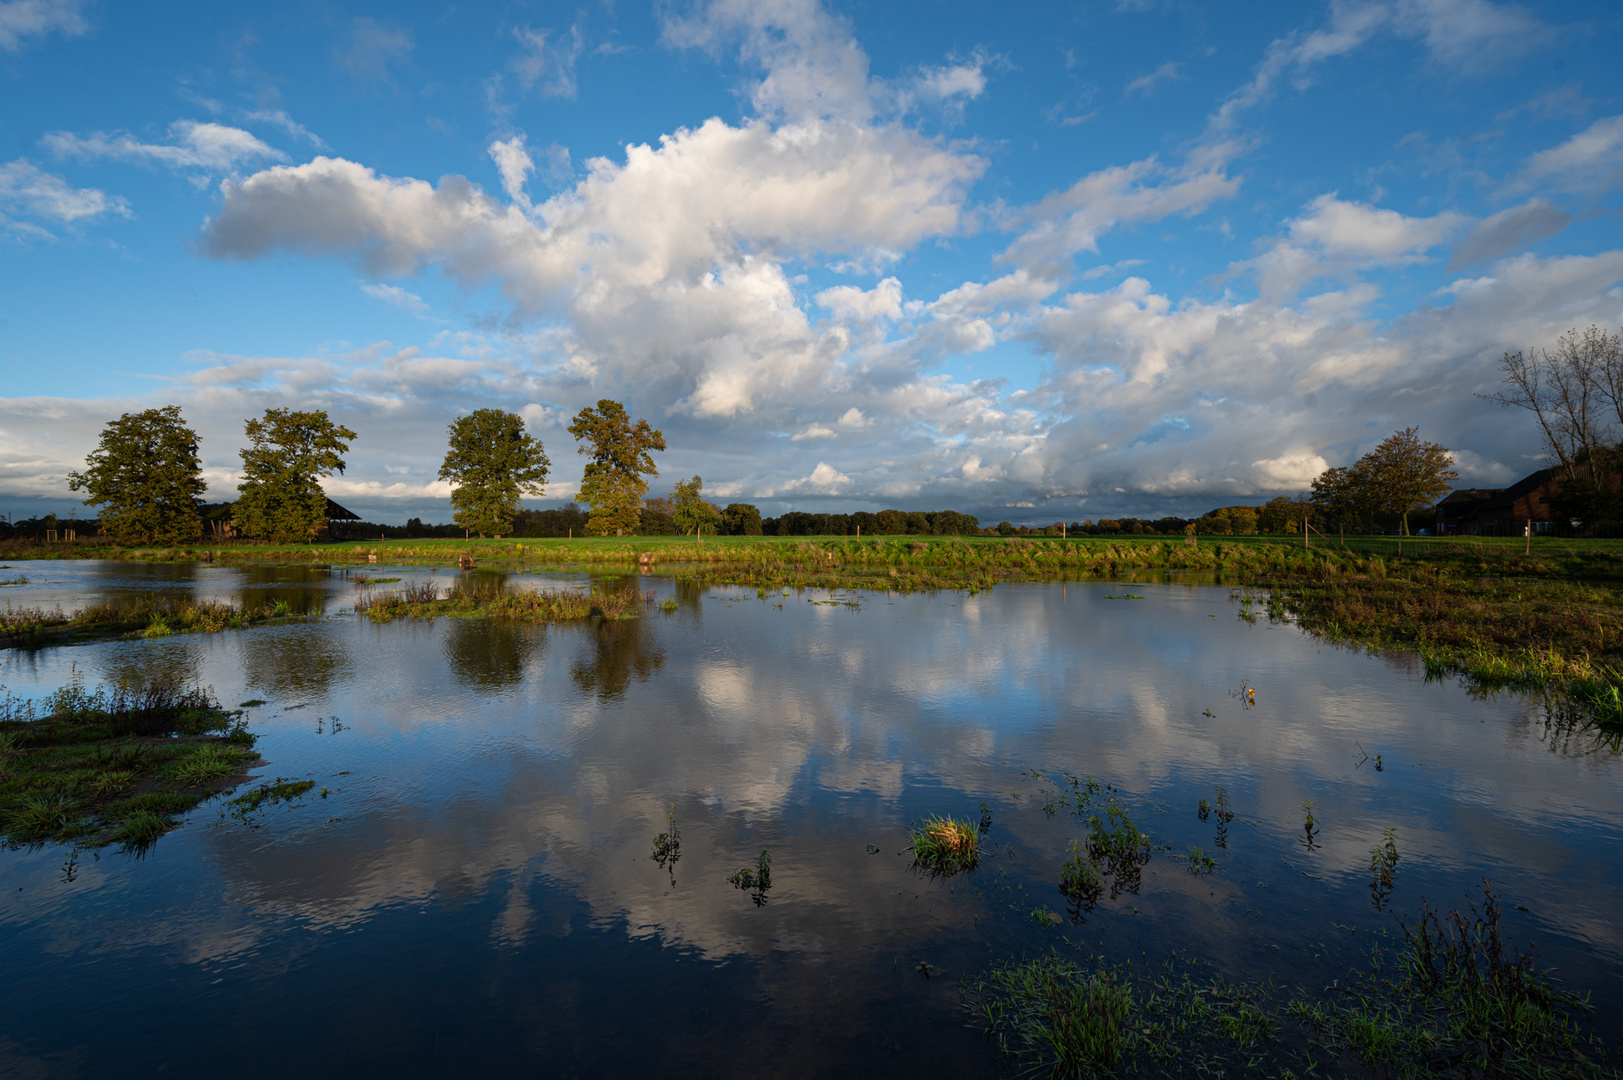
pixel 1575 393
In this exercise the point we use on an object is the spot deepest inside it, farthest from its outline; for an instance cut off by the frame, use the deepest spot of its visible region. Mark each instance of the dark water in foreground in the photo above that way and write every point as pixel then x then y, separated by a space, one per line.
pixel 475 891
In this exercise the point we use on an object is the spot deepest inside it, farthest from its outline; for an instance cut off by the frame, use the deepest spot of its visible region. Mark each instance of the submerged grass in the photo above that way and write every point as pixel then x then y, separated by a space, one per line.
pixel 101 767
pixel 1462 1002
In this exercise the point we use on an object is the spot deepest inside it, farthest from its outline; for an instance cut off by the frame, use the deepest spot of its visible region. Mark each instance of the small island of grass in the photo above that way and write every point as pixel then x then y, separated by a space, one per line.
pixel 116 765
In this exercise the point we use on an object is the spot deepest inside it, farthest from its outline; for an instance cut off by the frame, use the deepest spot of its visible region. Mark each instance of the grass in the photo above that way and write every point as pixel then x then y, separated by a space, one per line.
pixel 422 600
pixel 283 789
pixel 147 617
pixel 944 846
pixel 1461 1001
pixel 114 765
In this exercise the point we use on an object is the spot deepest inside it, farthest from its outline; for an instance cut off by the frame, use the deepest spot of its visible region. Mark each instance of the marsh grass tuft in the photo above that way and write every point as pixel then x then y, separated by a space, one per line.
pixel 944 846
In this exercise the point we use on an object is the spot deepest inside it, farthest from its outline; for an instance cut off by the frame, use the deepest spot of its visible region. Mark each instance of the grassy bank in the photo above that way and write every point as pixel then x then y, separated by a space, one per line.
pixel 116 765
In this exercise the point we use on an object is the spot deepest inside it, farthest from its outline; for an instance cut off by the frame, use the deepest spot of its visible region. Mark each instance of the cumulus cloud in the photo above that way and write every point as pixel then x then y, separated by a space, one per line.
pixel 1333 236
pixel 514 165
pixel 23 19
pixel 207 146
pixel 30 192
pixel 883 301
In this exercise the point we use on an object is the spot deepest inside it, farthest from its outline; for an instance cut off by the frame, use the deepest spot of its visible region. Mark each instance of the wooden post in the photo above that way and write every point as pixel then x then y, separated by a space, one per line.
pixel 1304 532
pixel 1064 531
pixel 1529 532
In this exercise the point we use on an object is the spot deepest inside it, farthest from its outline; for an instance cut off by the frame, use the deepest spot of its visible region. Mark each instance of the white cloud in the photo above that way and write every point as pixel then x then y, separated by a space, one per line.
pixel 547 59
pixel 514 165
pixel 816 431
pixel 192 145
pixel 1591 160
pixel 394 294
pixel 1071 221
pixel 23 19
pixel 853 418
pixel 279 119
pixel 1146 84
pixel 28 190
pixel 883 301
pixel 1338 237
pixel 826 478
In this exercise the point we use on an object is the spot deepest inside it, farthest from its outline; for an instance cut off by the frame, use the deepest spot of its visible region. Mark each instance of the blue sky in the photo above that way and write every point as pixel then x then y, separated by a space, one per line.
pixel 1032 262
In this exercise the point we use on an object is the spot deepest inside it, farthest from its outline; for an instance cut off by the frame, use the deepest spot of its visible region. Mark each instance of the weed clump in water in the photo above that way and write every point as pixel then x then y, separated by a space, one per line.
pixel 757 880
pixel 668 845
pixel 944 846
pixel 282 790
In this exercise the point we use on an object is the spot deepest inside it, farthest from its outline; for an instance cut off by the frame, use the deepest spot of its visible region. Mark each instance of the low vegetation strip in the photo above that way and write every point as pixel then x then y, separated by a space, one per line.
pixel 139 617
pixel 116 765
pixel 422 600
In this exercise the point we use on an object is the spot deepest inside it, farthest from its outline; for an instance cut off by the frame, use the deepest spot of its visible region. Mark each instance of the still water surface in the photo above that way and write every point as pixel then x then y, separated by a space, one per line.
pixel 475 890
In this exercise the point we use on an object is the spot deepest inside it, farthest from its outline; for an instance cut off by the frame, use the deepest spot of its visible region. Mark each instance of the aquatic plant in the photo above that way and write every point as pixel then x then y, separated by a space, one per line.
pixel 757 880
pixel 1080 883
pixel 1120 845
pixel 1383 869
pixel 283 789
pixel 944 846
pixel 668 844
pixel 1057 1018
pixel 1198 861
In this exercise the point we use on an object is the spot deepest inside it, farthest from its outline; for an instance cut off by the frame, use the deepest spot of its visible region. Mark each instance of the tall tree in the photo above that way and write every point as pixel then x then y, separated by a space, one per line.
pixel 621 455
pixel 693 514
pixel 1343 495
pixel 1409 473
pixel 281 499
pixel 146 477
pixel 492 461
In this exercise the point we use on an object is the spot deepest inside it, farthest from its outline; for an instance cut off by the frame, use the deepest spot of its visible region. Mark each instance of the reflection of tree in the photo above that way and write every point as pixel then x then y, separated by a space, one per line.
pixel 491 652
pixel 287 661
pixel 619 650
pixel 303 589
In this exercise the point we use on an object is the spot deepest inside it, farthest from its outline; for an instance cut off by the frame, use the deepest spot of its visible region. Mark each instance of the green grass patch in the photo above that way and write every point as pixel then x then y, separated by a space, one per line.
pixel 944 846
pixel 283 789
pixel 79 765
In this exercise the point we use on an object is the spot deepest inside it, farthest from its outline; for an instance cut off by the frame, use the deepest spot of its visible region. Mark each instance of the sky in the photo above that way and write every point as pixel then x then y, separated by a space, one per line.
pixel 1033 262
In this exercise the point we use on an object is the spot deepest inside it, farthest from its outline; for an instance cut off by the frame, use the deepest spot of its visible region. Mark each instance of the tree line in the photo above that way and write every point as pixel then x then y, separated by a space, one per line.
pixel 146 477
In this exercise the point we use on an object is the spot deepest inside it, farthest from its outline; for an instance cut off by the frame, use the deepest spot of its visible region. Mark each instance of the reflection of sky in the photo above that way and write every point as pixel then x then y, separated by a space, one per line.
pixel 501 784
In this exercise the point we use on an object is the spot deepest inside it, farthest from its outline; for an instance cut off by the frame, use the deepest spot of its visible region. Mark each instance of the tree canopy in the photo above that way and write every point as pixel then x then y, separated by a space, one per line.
pixel 621 455
pixel 491 462
pixel 281 499
pixel 1402 474
pixel 146 477
pixel 693 514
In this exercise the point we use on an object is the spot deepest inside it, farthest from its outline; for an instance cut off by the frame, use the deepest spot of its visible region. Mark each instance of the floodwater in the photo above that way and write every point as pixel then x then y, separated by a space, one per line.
pixel 474 890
